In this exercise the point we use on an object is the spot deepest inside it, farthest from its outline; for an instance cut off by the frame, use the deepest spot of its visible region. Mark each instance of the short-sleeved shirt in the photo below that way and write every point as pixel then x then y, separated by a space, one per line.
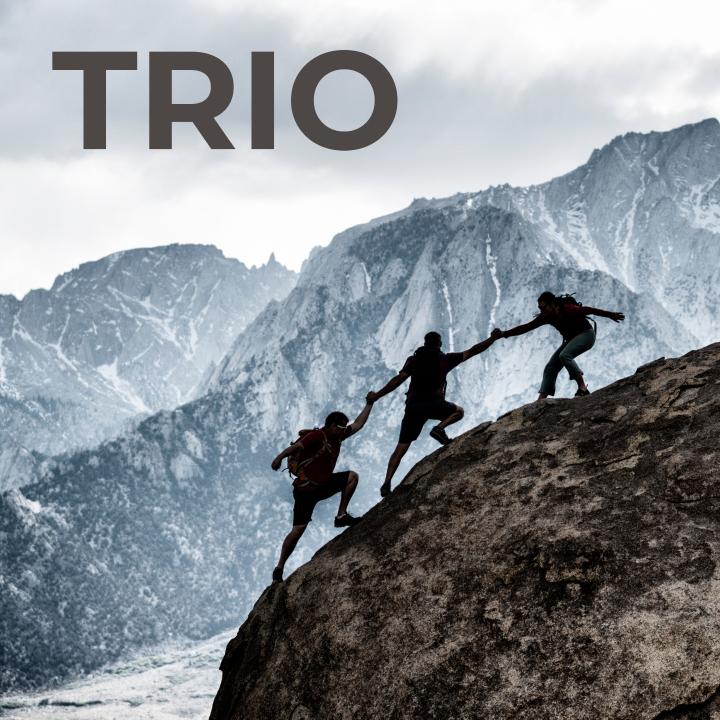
pixel 421 389
pixel 324 451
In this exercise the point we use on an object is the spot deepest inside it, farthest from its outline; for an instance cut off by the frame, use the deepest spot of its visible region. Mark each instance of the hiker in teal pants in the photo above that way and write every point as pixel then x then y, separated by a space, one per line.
pixel 569 318
pixel 564 357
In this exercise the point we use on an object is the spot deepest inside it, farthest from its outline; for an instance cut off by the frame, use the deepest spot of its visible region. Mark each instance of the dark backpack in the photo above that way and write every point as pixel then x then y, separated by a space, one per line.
pixel 299 460
pixel 427 376
pixel 569 299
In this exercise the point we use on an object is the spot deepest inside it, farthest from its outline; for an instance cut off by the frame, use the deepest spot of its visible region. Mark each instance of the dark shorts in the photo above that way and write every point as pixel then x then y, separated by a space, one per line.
pixel 418 412
pixel 306 500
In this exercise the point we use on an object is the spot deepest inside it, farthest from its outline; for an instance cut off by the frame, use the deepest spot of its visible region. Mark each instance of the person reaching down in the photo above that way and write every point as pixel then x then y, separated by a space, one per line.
pixel 427 369
pixel 569 318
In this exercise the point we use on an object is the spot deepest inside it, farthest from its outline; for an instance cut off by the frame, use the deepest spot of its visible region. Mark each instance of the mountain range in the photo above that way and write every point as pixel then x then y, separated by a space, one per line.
pixel 118 339
pixel 171 527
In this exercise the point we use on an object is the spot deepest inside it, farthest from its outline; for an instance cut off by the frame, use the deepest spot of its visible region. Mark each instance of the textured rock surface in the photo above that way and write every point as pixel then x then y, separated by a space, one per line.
pixel 559 563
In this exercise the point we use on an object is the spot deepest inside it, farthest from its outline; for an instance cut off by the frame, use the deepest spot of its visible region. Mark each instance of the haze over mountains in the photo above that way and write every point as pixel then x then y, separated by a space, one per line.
pixel 124 336
pixel 172 527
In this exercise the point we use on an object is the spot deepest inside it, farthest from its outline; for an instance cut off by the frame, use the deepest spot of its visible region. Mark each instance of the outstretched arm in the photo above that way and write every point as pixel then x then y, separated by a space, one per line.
pixel 479 347
pixel 392 384
pixel 585 310
pixel 290 450
pixel 359 422
pixel 539 321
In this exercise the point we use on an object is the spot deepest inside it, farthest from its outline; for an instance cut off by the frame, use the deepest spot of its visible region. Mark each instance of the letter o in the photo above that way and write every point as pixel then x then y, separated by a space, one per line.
pixel 302 100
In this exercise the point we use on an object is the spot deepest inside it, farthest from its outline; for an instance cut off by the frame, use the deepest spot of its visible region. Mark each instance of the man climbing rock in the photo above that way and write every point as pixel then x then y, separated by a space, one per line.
pixel 312 460
pixel 427 369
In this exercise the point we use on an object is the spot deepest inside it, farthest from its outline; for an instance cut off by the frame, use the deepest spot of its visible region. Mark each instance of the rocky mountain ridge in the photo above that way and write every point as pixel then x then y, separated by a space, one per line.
pixel 561 562
pixel 118 338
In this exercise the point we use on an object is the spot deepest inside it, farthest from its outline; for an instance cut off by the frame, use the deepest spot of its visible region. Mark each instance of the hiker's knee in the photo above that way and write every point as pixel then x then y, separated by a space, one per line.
pixel 460 411
pixel 297 531
pixel 353 478
pixel 400 450
pixel 565 357
pixel 553 367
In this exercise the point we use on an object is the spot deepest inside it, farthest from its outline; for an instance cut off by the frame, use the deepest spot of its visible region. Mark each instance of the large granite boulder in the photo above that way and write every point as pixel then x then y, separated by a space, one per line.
pixel 558 563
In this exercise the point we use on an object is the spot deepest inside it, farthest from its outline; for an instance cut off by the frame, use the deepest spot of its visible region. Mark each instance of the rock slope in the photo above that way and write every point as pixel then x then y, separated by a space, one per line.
pixel 558 563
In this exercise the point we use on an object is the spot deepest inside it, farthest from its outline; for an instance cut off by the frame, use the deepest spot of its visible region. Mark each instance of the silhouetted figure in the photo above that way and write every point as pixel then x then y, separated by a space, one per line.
pixel 313 458
pixel 427 369
pixel 569 318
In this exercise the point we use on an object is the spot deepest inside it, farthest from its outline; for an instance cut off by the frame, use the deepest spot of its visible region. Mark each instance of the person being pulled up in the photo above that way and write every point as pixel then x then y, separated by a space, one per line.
pixel 569 318
pixel 312 459
pixel 427 369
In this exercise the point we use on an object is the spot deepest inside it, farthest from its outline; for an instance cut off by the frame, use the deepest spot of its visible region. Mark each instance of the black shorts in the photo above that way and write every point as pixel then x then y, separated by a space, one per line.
pixel 418 412
pixel 306 500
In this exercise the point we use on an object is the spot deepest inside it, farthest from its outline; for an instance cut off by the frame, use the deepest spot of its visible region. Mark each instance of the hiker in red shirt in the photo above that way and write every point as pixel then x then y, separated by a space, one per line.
pixel 315 455
pixel 427 369
pixel 569 318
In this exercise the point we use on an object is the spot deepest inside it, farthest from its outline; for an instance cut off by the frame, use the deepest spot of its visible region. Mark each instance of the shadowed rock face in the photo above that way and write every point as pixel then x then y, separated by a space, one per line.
pixel 559 563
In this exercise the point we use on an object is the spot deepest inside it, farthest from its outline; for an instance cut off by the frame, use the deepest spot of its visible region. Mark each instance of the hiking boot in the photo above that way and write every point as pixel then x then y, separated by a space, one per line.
pixel 440 435
pixel 346 520
pixel 385 489
pixel 277 575
pixel 582 393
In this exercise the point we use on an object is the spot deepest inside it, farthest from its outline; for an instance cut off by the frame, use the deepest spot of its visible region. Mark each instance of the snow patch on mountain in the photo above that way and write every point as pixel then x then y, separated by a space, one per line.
pixel 120 338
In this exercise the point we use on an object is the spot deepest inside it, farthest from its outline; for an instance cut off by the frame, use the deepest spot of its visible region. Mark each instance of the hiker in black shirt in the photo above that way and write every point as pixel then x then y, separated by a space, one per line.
pixel 569 318
pixel 427 370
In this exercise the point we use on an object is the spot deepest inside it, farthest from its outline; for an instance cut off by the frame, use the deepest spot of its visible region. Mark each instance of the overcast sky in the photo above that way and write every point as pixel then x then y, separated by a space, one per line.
pixel 489 92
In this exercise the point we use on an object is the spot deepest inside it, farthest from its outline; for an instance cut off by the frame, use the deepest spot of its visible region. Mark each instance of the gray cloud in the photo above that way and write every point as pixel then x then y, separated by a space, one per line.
pixel 459 126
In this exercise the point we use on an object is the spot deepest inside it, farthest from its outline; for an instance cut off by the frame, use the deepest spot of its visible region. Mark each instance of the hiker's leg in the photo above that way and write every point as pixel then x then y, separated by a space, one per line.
pixel 412 424
pixel 394 461
pixel 289 543
pixel 553 367
pixel 457 416
pixel 577 346
pixel 347 493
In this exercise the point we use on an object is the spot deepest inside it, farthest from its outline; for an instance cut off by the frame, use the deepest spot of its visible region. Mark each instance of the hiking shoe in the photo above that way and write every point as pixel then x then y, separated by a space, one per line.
pixel 582 393
pixel 440 435
pixel 277 575
pixel 346 520
pixel 385 489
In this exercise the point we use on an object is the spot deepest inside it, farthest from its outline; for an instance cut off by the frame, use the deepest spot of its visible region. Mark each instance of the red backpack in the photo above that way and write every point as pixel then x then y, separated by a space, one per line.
pixel 301 459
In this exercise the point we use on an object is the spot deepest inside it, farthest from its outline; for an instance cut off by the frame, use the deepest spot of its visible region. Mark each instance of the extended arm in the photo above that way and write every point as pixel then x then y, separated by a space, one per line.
pixel 359 422
pixel 539 321
pixel 479 347
pixel 392 384
pixel 586 310
pixel 290 450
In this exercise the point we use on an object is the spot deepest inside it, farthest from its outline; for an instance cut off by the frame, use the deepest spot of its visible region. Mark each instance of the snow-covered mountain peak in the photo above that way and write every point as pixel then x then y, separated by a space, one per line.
pixel 127 334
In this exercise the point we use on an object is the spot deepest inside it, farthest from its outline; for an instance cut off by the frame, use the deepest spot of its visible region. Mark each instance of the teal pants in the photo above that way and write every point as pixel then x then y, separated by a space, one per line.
pixel 564 357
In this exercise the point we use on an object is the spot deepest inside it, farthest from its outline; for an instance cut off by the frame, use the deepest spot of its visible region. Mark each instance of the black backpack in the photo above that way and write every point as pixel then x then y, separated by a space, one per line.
pixel 569 299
